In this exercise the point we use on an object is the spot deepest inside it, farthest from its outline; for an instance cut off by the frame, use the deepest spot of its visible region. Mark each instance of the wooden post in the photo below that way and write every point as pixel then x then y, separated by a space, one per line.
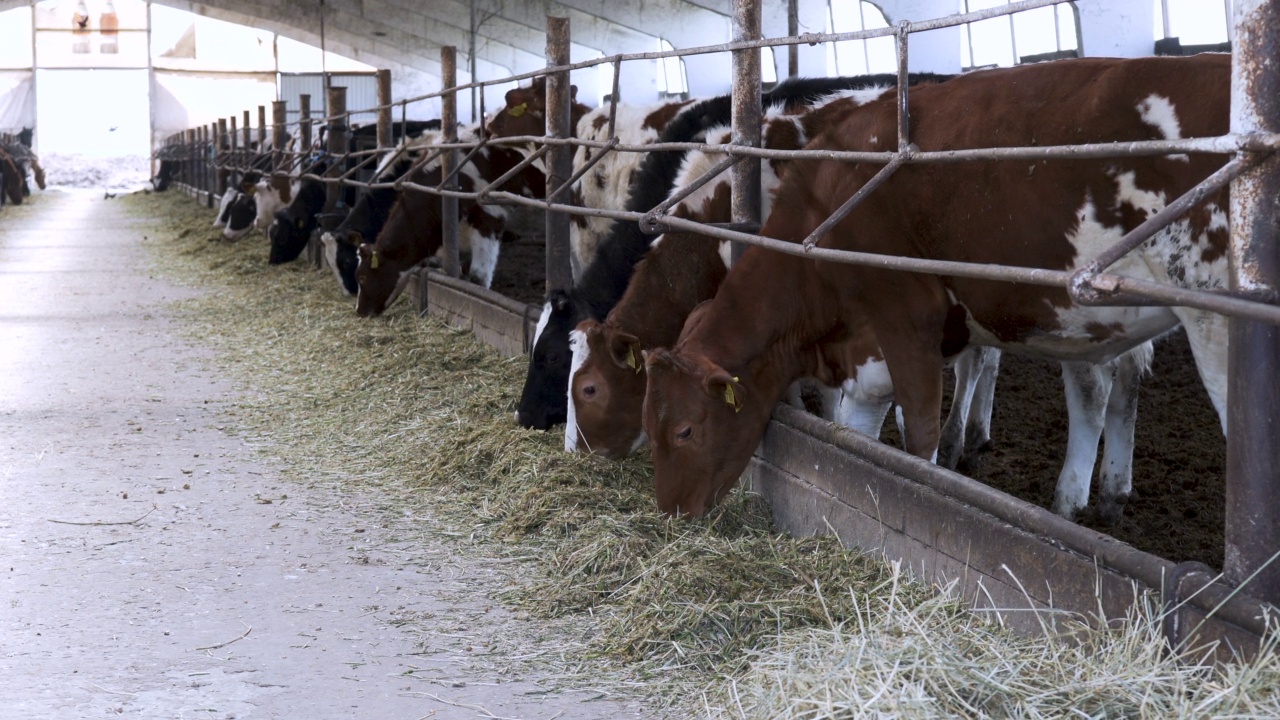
pixel 560 158
pixel 386 138
pixel 279 134
pixel 304 128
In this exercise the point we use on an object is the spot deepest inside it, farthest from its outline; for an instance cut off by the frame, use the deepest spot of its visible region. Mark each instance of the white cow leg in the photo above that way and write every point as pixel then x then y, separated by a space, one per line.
pixel 1122 416
pixel 977 436
pixel 951 443
pixel 484 259
pixel 830 397
pixel 795 395
pixel 1087 387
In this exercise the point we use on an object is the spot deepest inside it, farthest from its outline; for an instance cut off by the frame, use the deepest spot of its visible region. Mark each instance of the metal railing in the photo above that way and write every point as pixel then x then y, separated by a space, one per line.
pixel 1253 487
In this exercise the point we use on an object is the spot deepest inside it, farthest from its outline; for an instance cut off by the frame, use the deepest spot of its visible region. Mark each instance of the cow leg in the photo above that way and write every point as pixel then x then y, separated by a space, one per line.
pixel 795 394
pixel 1207 334
pixel 978 430
pixel 951 445
pixel 484 259
pixel 830 397
pixel 864 401
pixel 917 388
pixel 1087 386
pixel 1122 416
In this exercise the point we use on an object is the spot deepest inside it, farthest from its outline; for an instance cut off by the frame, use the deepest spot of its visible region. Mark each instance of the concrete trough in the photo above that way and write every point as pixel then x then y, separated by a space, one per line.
pixel 1004 555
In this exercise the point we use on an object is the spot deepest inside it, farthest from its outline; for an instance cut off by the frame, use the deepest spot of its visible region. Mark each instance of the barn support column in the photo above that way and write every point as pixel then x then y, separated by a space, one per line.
pixel 233 148
pixel 1253 396
pixel 560 158
pixel 745 176
pixel 220 141
pixel 335 144
pixel 262 127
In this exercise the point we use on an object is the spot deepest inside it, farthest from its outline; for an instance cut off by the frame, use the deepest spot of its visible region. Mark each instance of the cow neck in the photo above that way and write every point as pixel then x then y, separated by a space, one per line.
pixel 771 307
pixel 412 230
pixel 493 161
pixel 684 270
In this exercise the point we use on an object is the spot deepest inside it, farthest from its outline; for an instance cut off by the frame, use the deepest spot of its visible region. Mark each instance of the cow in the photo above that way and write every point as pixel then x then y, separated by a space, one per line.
pixel 607 382
pixel 413 233
pixel 608 183
pixel 11 179
pixel 293 226
pixel 542 401
pixel 369 215
pixel 704 410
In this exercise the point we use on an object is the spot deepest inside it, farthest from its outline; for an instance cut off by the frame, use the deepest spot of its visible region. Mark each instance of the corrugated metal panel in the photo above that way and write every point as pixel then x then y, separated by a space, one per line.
pixel 362 92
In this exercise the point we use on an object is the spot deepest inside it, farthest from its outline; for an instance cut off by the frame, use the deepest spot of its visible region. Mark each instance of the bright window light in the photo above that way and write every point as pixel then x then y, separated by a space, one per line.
pixel 1193 22
pixel 1005 41
pixel 768 66
pixel 672 78
pixel 858 57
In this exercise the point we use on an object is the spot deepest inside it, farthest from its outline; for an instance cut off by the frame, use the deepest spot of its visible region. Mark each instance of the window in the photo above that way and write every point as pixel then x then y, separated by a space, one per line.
pixel 672 78
pixel 1193 22
pixel 1040 34
pixel 15 38
pixel 858 57
pixel 768 66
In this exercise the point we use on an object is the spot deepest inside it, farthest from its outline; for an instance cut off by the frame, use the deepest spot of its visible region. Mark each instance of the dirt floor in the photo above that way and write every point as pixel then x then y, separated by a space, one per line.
pixel 158 565
pixel 1177 509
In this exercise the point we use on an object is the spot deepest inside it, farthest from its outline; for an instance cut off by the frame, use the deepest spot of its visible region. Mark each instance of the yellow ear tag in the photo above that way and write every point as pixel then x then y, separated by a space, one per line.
pixel 632 360
pixel 730 397
pixel 373 261
pixel 518 110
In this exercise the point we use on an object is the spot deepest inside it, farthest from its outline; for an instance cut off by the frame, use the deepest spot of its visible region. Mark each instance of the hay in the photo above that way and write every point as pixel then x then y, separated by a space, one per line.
pixel 413 419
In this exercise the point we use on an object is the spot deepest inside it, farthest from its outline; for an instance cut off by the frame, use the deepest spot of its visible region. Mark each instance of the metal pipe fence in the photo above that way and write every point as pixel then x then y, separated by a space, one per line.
pixel 1251 301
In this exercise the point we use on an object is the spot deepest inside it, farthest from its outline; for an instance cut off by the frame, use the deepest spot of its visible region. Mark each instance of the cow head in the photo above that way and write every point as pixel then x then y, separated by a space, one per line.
pixel 381 279
pixel 544 399
pixel 703 424
pixel 606 391
pixel 341 251
pixel 240 215
pixel 526 110
pixel 289 233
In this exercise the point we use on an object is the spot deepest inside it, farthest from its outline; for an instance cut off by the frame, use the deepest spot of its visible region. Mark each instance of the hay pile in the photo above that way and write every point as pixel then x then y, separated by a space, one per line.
pixel 419 416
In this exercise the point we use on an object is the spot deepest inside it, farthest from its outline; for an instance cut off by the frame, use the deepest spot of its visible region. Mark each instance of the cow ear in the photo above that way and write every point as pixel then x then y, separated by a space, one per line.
pixel 721 385
pixel 625 350
pixel 516 96
pixel 573 93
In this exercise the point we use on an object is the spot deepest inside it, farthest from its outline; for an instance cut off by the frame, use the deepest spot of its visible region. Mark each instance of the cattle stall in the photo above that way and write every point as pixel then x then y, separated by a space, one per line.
pixel 1009 555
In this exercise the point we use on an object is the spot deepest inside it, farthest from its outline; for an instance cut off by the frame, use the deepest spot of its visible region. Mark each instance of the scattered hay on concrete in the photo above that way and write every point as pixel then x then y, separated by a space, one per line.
pixel 419 415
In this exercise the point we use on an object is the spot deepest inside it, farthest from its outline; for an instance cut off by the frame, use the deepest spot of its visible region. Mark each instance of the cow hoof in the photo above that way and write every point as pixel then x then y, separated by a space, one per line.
pixel 1066 510
pixel 1111 510
pixel 948 456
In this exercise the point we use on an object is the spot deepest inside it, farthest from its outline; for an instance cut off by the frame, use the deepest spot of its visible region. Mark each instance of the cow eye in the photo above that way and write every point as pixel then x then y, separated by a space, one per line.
pixel 589 390
pixel 685 434
pixel 553 357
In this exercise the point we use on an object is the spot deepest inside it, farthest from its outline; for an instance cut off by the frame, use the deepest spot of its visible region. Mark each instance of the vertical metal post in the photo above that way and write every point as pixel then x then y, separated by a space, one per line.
pixel 222 142
pixel 210 155
pixel 793 29
pixel 189 136
pixel 279 134
pixel 262 127
pixel 1253 395
pixel 336 144
pixel 233 152
pixel 448 161
pixel 386 138
pixel 560 158
pixel 304 119
pixel 248 139
pixel 745 176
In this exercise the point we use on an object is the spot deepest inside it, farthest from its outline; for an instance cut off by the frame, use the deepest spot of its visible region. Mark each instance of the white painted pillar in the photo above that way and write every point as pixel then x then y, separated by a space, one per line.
pixel 937 50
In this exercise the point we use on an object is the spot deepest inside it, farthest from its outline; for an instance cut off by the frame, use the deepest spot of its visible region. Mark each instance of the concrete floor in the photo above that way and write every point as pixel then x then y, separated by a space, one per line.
pixel 155 565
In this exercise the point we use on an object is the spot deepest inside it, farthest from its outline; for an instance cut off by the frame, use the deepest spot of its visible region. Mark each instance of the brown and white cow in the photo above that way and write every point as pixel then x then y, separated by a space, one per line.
pixel 704 411
pixel 608 184
pixel 412 233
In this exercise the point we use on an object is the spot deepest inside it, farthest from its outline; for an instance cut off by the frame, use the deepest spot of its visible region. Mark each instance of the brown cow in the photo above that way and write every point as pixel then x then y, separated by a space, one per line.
pixel 11 178
pixel 705 409
pixel 413 232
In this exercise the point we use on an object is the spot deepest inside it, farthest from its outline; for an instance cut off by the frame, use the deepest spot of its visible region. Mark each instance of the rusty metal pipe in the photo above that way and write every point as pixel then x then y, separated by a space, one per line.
pixel 744 177
pixel 449 161
pixel 652 224
pixel 856 199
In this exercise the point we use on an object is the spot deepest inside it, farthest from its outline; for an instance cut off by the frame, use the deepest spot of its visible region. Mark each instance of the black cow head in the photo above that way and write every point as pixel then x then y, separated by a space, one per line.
pixel 544 401
pixel 289 233
pixel 240 215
